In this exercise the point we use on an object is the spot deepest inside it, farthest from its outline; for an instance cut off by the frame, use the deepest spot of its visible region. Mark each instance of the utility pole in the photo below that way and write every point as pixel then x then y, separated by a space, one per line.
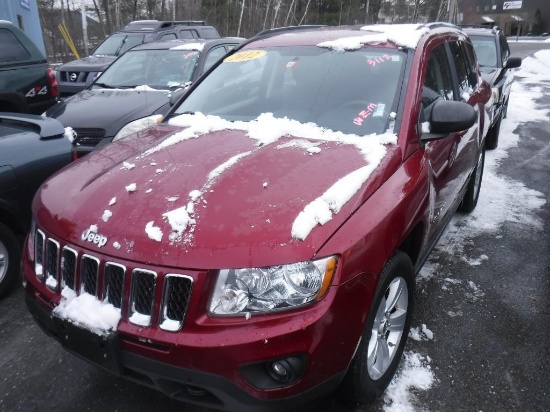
pixel 84 27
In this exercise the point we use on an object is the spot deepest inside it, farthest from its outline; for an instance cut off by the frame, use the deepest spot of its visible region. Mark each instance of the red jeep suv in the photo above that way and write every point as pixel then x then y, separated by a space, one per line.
pixel 258 248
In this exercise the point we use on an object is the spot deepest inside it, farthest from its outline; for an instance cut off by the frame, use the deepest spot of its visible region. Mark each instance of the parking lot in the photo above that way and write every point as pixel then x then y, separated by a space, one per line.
pixel 483 298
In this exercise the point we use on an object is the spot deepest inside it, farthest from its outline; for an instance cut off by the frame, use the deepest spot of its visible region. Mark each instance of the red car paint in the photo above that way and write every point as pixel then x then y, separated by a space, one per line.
pixel 405 204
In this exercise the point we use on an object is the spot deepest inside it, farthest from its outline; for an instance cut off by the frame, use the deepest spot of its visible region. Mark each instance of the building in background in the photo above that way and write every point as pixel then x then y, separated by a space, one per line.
pixel 24 14
pixel 515 17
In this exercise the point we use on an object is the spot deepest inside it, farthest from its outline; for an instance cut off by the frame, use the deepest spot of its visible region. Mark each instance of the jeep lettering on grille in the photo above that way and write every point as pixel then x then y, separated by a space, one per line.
pixel 92 237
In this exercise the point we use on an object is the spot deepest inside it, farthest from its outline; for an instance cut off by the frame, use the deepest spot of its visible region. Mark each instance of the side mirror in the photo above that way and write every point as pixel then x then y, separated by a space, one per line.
pixel 449 117
pixel 512 63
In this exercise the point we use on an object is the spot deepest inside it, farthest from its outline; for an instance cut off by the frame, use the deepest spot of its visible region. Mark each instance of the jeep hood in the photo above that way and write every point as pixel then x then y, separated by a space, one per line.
pixel 89 64
pixel 109 109
pixel 218 199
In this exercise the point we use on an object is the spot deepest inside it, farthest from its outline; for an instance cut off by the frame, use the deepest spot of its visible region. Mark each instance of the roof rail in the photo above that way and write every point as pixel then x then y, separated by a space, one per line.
pixel 269 32
pixel 479 26
pixel 439 24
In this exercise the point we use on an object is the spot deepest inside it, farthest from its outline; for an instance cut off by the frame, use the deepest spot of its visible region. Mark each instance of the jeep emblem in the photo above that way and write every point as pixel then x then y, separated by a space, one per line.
pixel 92 237
pixel 73 77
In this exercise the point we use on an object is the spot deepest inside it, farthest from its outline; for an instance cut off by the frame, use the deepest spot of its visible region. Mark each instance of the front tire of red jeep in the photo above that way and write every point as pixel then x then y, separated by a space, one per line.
pixel 10 258
pixel 385 334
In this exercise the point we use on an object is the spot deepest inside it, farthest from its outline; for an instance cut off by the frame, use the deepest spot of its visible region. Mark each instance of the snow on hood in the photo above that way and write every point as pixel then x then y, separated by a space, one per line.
pixel 218 186
pixel 405 35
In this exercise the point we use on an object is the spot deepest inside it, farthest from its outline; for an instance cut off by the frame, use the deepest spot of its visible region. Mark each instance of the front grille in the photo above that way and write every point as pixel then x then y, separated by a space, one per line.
pixel 143 293
pixel 88 136
pixel 39 254
pixel 89 270
pixel 68 267
pixel 114 284
pixel 85 273
pixel 52 251
pixel 175 300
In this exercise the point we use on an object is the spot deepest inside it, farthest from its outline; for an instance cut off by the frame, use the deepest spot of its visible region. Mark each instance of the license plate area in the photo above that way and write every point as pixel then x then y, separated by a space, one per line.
pixel 103 351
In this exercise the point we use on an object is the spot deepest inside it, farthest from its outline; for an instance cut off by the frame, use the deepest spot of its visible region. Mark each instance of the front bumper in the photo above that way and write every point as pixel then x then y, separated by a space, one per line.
pixel 179 383
pixel 216 362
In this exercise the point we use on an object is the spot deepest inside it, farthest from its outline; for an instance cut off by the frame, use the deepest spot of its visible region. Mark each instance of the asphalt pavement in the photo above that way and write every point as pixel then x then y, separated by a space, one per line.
pixel 492 356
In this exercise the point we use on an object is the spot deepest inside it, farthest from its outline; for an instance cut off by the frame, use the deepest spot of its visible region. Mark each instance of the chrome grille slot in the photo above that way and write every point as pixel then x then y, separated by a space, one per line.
pixel 175 301
pixel 39 254
pixel 68 267
pixel 143 293
pixel 52 255
pixel 114 284
pixel 89 268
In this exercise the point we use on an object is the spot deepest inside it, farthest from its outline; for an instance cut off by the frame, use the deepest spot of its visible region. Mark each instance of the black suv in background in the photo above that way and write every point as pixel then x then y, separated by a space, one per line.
pixel 75 76
pixel 493 55
pixel 27 85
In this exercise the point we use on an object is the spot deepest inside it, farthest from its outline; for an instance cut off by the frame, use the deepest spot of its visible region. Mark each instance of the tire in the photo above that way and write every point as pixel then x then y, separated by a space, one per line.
pixel 491 141
pixel 10 258
pixel 382 343
pixel 469 201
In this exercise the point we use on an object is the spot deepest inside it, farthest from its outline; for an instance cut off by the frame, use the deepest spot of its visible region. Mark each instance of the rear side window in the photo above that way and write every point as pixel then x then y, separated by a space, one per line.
pixel 188 34
pixel 461 69
pixel 11 49
pixel 208 33
pixel 438 83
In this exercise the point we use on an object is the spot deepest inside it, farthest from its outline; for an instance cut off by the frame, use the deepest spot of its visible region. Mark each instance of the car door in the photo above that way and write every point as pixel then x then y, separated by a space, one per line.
pixel 448 168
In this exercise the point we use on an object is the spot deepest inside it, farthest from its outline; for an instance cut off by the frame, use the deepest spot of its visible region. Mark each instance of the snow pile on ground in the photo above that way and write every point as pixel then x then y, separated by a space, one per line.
pixel 536 67
pixel 415 373
pixel 87 312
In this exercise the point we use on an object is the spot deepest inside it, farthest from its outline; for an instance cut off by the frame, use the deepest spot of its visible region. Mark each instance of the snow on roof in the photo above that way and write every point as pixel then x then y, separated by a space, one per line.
pixel 406 35
pixel 189 46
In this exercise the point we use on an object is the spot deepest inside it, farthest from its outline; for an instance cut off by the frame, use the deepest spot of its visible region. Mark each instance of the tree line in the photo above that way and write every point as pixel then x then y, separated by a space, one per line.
pixel 243 18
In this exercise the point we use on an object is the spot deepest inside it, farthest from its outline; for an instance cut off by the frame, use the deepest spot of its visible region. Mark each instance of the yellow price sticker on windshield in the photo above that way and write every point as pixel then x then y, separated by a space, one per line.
pixel 245 55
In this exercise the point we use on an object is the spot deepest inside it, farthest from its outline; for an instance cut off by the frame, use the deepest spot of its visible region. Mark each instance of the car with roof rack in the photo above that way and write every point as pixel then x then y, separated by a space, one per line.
pixel 258 248
pixel 76 75
pixel 497 68
pixel 31 149
pixel 137 89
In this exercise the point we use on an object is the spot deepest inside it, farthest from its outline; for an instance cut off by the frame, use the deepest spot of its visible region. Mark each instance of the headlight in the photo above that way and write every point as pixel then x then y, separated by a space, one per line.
pixel 138 125
pixel 241 291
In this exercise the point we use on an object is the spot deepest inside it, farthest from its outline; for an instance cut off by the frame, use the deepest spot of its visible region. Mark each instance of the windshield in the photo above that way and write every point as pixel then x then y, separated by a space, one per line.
pixel 118 44
pixel 159 69
pixel 486 50
pixel 353 92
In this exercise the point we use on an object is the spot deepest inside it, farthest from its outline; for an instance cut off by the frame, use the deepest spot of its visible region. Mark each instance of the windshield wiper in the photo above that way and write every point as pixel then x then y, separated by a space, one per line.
pixel 105 85
pixel 121 46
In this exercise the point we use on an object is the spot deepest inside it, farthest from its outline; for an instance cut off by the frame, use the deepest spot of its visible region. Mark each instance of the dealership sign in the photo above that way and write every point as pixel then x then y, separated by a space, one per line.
pixel 510 5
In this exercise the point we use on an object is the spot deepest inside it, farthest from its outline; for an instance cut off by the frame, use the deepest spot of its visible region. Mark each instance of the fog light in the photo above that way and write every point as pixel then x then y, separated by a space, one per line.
pixel 279 369
pixel 276 373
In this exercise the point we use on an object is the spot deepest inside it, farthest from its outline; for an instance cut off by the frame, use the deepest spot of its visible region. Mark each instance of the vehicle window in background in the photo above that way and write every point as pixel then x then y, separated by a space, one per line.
pixel 168 36
pixel 11 49
pixel 118 44
pixel 352 92
pixel 159 69
pixel 187 34
pixel 213 56
pixel 438 83
pixel 486 50
pixel 461 66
